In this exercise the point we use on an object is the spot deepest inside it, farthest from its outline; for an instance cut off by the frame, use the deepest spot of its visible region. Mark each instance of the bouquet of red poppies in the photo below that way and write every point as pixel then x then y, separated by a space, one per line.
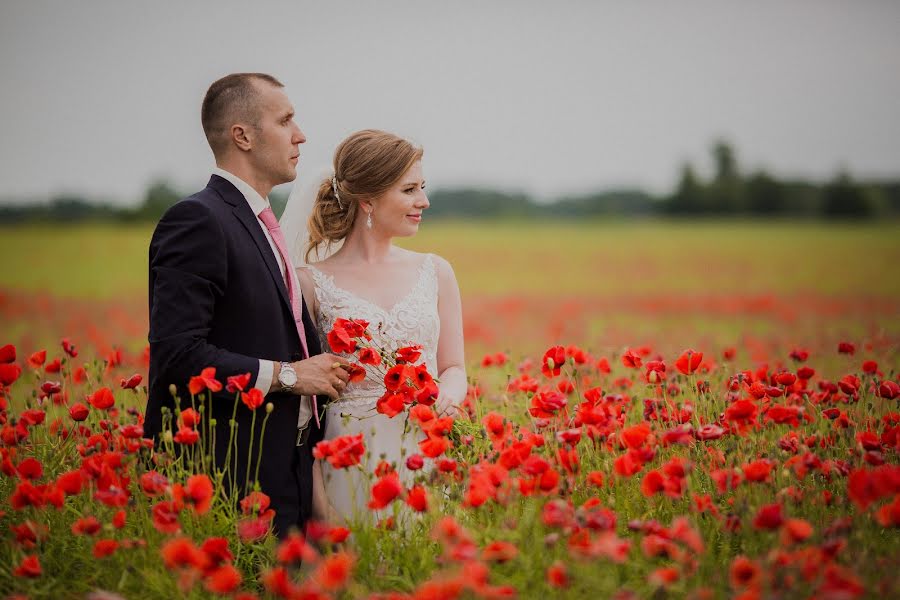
pixel 406 384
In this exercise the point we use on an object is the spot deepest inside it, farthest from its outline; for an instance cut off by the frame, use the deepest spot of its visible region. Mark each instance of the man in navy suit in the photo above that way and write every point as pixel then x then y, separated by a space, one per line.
pixel 224 294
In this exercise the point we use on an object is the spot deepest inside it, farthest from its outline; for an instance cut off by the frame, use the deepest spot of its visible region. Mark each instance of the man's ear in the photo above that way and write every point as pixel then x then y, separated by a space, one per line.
pixel 241 136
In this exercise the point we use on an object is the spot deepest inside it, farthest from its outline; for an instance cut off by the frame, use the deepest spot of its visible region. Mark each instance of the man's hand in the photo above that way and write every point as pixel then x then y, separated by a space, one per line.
pixel 323 374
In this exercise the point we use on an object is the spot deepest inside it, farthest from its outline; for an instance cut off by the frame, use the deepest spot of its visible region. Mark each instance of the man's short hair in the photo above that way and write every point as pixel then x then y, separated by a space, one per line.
pixel 229 100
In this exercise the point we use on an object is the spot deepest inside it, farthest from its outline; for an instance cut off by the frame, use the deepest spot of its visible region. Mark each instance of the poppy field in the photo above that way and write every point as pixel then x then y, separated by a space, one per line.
pixel 655 410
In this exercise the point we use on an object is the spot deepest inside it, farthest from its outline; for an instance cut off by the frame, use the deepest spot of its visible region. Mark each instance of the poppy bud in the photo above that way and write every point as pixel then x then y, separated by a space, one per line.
pixel 173 390
pixel 269 407
pixel 167 436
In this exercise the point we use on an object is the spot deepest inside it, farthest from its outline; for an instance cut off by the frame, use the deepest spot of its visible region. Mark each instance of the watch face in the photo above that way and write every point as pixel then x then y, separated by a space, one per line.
pixel 287 378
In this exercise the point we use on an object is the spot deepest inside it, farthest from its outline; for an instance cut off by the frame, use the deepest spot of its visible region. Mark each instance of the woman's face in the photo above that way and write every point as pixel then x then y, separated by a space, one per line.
pixel 398 212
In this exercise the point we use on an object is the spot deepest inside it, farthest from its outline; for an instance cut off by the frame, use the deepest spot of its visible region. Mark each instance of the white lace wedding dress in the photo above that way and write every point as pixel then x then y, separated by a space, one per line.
pixel 412 320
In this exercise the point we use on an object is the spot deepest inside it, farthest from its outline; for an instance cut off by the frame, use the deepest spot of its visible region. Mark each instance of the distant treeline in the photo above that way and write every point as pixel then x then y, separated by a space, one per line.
pixel 727 193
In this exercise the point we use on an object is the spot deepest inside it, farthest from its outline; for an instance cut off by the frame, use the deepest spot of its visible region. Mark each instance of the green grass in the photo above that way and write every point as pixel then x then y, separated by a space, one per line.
pixel 546 259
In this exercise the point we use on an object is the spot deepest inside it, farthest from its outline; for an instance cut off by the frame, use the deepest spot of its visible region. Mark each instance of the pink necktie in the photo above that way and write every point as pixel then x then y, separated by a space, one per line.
pixel 271 223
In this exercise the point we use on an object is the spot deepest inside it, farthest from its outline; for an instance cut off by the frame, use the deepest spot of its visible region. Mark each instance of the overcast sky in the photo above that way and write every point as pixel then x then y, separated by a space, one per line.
pixel 549 98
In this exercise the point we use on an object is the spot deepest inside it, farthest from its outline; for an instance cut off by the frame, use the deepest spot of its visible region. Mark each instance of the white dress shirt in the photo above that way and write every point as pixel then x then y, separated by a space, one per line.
pixel 257 205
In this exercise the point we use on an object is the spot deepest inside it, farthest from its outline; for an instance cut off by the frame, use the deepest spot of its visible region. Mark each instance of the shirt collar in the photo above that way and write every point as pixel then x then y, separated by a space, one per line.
pixel 257 203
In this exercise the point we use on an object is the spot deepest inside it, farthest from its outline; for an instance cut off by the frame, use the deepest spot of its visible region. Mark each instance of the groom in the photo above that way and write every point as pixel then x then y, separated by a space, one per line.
pixel 223 294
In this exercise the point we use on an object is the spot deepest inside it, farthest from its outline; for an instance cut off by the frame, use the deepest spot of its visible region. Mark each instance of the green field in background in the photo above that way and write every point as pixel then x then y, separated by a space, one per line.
pixel 547 259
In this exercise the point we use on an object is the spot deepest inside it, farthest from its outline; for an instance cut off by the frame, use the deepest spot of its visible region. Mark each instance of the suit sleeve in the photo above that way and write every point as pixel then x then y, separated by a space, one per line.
pixel 188 274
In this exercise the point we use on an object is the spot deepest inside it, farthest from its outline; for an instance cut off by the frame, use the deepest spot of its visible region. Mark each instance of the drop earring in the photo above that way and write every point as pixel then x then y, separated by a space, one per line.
pixel 369 221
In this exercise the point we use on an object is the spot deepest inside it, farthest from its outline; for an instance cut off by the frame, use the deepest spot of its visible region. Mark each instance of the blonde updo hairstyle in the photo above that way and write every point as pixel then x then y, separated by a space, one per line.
pixel 366 165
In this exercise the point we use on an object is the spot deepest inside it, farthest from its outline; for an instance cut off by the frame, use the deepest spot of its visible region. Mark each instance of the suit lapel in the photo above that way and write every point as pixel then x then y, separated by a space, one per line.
pixel 242 212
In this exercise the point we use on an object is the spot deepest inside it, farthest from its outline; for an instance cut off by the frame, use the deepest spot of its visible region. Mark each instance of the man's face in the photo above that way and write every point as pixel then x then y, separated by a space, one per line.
pixel 276 143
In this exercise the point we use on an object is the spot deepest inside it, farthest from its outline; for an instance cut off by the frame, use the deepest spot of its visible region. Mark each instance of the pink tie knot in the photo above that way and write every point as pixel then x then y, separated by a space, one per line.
pixel 269 220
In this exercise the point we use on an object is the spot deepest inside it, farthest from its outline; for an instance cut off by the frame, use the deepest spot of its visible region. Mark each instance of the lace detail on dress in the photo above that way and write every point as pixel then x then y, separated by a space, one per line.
pixel 412 320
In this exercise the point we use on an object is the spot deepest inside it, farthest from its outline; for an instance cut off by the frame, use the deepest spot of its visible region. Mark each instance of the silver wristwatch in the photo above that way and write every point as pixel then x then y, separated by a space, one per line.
pixel 287 377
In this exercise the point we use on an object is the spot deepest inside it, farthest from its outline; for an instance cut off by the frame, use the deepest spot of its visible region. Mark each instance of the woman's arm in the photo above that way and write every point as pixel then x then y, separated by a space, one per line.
pixel 451 349
pixel 308 289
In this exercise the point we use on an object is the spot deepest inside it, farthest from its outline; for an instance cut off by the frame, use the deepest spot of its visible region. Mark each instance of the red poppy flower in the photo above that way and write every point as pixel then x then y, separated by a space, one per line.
pixel 889 390
pixel 7 354
pixel 206 380
pixel 165 517
pixel 635 436
pixel 499 552
pixel 626 465
pixel 369 356
pixel 357 373
pixel 385 491
pixel 253 399
pixel 341 452
pixel 255 503
pixel 222 580
pixel 355 328
pixel 757 470
pixel 32 417
pixel 30 567
pixel 69 348
pixel 545 405
pixel 189 418
pixel 180 553
pixel 428 394
pixel 53 366
pixel 794 531
pixel 653 483
pixel 769 517
pixel 86 526
pixel 409 354
pixel 199 493
pixel 132 382
pixel 36 360
pixel 725 479
pixel 846 348
pixel 709 432
pixel 741 410
pixel 30 468
pixel 79 412
pixel 294 550
pixel 689 361
pixel 631 359
pixel 744 573
pixel 340 341
pixel 434 446
pixel 490 360
pixel 399 376
pixel 557 575
pixel 102 399
pixel 118 520
pixel 889 514
pixel 9 373
pixel 446 465
pixel 238 383
pixel 186 436
pixel 390 404
pixel 334 571
pixel 417 499
pixel 415 462
pixel 104 548
pixel 252 529
pixel 553 361
pixel 71 482
pixel 805 373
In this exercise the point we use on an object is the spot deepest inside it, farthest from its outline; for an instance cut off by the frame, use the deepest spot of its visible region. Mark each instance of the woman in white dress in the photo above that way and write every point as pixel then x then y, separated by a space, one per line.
pixel 378 194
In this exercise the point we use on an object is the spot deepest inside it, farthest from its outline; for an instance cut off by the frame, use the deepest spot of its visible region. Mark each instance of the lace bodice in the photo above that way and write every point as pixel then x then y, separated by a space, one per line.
pixel 412 320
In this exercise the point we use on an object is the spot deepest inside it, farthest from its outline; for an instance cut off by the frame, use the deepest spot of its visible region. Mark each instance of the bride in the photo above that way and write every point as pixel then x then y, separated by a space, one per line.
pixel 377 194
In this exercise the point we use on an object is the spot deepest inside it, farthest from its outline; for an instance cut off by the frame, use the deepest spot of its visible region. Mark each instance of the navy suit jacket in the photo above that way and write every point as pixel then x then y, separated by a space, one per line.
pixel 218 299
